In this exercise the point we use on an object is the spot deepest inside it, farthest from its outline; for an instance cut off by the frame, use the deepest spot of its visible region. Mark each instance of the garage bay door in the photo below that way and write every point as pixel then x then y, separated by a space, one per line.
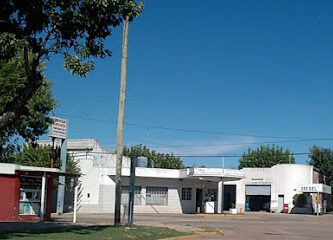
pixel 263 190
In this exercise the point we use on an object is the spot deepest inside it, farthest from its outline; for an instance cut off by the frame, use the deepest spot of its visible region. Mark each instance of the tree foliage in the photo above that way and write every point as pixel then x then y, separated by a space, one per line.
pixel 155 159
pixel 75 29
pixel 40 156
pixel 265 156
pixel 322 158
pixel 299 200
pixel 33 121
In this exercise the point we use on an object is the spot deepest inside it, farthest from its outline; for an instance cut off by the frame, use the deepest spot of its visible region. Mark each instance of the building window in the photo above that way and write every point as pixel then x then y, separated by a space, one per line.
pixel 156 196
pixel 125 195
pixel 30 195
pixel 186 193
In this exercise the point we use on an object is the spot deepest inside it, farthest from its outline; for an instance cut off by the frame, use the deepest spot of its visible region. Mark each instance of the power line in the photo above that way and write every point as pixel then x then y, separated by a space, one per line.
pixel 202 155
pixel 229 155
pixel 200 131
pixel 235 144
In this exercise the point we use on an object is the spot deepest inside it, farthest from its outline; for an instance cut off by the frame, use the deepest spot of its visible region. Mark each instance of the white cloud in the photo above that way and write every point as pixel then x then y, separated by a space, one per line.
pixel 229 145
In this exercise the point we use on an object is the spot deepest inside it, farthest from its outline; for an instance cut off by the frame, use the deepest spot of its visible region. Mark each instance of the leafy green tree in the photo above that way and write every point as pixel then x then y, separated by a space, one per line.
pixel 75 29
pixel 322 158
pixel 40 156
pixel 265 156
pixel 158 160
pixel 34 119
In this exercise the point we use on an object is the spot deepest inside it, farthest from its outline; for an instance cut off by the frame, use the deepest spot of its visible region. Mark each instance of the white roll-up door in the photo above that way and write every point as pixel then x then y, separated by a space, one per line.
pixel 258 190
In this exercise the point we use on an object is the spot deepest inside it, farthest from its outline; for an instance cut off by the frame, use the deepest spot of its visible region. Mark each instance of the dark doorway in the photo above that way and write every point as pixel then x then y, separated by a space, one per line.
pixel 258 197
pixel 258 203
pixel 198 201
pixel 229 200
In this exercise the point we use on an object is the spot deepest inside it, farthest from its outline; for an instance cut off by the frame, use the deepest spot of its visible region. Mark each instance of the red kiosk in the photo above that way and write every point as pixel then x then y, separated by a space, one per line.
pixel 26 192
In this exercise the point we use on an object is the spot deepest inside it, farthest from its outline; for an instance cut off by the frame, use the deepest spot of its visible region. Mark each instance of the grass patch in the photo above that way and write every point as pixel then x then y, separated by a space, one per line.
pixel 93 232
pixel 331 212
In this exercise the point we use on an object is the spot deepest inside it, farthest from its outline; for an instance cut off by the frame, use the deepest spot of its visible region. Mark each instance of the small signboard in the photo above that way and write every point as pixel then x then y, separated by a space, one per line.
pixel 59 128
pixel 315 188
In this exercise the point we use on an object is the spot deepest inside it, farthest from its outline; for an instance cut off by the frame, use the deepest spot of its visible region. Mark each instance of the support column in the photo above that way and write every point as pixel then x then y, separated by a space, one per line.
pixel 75 199
pixel 220 196
pixel 42 198
pixel 62 179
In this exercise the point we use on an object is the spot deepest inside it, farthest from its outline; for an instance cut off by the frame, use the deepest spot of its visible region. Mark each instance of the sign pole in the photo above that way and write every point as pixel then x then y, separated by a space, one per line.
pixel 52 153
pixel 62 179
pixel 58 129
pixel 317 203
pixel 131 192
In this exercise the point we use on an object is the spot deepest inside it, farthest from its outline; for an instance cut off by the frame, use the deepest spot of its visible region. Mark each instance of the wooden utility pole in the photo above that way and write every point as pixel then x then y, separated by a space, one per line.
pixel 120 124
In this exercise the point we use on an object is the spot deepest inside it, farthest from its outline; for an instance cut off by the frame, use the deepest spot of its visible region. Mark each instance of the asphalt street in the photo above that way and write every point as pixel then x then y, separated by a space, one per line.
pixel 250 226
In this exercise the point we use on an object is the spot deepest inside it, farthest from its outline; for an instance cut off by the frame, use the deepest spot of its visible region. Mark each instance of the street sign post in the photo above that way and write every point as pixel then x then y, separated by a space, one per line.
pixel 318 203
pixel 131 191
pixel 58 129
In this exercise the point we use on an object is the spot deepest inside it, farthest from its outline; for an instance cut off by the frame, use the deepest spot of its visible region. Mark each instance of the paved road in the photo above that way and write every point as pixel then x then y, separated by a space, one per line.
pixel 251 226
pixel 258 225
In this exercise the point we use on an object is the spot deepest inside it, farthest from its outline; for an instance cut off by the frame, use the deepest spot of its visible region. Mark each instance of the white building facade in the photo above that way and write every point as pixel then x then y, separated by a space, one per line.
pixel 273 188
pixel 188 190
pixel 191 190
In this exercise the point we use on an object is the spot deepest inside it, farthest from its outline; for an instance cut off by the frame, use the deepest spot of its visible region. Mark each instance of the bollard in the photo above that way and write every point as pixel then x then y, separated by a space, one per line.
pixel 285 208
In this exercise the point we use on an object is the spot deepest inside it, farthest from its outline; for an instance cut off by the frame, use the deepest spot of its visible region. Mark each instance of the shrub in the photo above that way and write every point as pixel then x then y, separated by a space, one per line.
pixel 299 200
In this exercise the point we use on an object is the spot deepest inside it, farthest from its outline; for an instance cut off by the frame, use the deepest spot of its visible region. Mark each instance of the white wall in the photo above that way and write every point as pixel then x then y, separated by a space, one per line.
pixel 283 178
pixel 106 196
pixel 94 162
pixel 97 165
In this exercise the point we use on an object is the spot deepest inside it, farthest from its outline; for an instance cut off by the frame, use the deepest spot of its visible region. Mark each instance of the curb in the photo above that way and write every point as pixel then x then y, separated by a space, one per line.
pixel 219 214
pixel 197 235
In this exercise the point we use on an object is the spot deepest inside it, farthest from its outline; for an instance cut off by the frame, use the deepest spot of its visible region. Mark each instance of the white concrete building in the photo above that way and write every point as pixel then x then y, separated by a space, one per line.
pixel 157 190
pixel 270 188
pixel 186 190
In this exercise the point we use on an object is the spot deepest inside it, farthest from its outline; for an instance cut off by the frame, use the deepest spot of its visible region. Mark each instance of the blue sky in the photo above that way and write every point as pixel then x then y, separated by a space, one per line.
pixel 257 68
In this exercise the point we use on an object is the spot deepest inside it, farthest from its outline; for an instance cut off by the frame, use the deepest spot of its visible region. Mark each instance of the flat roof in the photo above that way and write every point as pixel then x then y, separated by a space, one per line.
pixel 11 168
pixel 190 173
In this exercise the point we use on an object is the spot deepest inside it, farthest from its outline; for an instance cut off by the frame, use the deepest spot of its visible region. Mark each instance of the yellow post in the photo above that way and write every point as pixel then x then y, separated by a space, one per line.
pixel 198 209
